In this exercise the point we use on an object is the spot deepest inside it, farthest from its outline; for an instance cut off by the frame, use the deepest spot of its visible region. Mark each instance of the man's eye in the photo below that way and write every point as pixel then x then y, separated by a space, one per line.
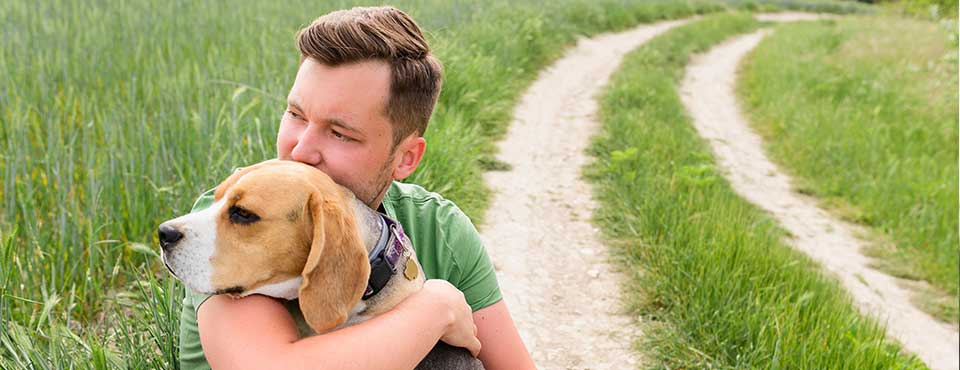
pixel 293 114
pixel 340 136
pixel 241 216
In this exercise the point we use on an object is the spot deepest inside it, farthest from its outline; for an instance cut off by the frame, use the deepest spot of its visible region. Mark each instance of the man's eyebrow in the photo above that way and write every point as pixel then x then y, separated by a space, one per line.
pixel 293 103
pixel 333 121
pixel 340 123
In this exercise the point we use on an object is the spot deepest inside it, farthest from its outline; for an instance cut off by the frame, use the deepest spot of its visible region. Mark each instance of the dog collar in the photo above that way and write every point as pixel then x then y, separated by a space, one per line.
pixel 385 256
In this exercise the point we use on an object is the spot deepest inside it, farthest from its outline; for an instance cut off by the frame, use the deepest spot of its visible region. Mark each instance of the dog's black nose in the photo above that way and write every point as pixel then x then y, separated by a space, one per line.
pixel 169 236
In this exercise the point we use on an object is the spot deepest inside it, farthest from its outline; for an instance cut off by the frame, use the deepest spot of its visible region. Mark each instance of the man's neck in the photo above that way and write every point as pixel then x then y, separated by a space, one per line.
pixel 377 203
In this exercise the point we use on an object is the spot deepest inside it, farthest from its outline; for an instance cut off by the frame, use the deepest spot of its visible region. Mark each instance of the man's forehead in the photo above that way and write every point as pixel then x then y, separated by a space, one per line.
pixel 370 77
pixel 346 95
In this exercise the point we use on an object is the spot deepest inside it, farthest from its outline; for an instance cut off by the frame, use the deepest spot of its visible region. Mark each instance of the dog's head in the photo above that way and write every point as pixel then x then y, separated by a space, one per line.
pixel 279 228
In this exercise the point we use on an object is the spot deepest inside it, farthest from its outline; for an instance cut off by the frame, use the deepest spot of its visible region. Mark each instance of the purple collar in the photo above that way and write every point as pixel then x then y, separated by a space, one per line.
pixel 385 256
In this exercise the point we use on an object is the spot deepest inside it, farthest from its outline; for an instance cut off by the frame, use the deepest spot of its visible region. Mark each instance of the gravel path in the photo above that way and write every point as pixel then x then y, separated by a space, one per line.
pixel 708 93
pixel 555 274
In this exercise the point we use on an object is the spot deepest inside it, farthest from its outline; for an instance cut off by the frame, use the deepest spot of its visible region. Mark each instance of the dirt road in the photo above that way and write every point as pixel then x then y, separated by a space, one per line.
pixel 556 275
pixel 554 272
pixel 708 93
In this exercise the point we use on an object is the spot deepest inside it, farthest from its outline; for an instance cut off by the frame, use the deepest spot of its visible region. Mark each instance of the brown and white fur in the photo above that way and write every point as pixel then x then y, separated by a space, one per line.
pixel 286 230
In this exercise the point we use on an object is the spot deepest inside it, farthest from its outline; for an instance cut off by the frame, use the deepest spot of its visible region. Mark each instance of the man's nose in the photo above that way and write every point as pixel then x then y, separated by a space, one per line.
pixel 307 149
pixel 169 236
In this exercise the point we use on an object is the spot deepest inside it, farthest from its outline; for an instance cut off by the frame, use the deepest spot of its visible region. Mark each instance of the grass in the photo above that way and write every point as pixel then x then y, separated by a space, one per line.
pixel 712 275
pixel 863 112
pixel 923 9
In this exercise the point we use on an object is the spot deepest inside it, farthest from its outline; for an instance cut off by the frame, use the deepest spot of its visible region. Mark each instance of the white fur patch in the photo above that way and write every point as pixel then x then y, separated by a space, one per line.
pixel 289 289
pixel 190 258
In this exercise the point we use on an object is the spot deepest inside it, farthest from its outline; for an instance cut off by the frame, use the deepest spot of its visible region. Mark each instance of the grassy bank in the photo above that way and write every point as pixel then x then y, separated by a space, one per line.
pixel 713 278
pixel 863 112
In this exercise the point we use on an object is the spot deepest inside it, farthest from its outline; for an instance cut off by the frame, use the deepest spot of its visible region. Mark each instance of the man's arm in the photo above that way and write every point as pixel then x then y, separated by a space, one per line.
pixel 257 332
pixel 503 348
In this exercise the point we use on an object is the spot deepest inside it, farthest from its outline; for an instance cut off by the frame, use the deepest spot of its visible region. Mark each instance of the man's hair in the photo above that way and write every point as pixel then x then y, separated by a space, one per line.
pixel 387 34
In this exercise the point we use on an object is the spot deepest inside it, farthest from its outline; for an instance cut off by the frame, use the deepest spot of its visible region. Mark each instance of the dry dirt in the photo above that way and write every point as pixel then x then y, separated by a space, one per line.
pixel 553 270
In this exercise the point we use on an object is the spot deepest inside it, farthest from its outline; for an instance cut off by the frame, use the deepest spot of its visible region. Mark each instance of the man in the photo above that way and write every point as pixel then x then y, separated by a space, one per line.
pixel 363 95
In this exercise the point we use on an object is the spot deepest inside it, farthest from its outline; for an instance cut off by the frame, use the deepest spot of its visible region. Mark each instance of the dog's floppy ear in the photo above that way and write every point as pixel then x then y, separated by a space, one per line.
pixel 335 275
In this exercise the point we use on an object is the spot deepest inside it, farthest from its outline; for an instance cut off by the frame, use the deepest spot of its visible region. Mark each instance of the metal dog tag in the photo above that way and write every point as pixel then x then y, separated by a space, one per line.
pixel 410 271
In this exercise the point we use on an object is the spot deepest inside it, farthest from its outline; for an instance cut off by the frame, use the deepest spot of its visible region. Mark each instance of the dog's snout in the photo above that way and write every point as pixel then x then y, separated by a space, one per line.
pixel 169 236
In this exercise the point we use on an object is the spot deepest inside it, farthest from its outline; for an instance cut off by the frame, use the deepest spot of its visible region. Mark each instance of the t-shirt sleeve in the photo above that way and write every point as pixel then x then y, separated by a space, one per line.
pixel 472 272
pixel 191 351
pixel 205 200
pixel 448 245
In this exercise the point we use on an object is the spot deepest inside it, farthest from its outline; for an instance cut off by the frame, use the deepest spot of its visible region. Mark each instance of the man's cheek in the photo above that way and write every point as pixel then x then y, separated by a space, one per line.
pixel 285 143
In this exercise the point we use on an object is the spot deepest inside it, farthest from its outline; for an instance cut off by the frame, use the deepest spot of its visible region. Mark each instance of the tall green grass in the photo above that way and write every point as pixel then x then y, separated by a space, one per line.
pixel 813 6
pixel 922 9
pixel 712 277
pixel 864 113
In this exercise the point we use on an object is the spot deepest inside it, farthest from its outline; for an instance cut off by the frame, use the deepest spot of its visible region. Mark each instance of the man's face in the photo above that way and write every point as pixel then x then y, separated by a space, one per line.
pixel 335 122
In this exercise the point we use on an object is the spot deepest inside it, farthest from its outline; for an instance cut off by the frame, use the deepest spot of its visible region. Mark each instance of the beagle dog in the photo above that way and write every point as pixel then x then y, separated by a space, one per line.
pixel 287 230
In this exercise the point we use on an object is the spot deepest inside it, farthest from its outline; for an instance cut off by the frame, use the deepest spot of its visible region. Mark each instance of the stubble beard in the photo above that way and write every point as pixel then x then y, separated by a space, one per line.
pixel 372 191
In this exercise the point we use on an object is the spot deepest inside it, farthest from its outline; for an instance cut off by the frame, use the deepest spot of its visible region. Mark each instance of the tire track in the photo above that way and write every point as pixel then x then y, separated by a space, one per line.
pixel 708 94
pixel 555 274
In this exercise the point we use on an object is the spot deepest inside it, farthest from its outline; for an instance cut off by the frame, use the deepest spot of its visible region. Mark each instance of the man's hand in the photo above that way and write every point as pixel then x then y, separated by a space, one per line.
pixel 460 330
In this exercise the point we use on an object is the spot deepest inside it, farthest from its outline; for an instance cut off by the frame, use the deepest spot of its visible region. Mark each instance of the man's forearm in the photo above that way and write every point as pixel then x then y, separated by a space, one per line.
pixel 398 339
pixel 502 346
pixel 257 332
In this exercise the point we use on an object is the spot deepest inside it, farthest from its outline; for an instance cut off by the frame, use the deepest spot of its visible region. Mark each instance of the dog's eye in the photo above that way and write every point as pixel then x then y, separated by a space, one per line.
pixel 241 216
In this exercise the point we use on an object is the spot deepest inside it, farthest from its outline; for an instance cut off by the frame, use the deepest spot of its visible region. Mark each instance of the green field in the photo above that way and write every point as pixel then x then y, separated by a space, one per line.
pixel 114 117
pixel 863 113
pixel 714 281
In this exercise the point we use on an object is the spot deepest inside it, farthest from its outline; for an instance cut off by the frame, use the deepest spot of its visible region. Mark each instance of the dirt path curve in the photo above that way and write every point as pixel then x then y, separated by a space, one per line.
pixel 554 272
pixel 708 93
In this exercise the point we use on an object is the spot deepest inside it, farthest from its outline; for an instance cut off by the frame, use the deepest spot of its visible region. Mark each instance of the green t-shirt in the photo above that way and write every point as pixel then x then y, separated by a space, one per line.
pixel 447 245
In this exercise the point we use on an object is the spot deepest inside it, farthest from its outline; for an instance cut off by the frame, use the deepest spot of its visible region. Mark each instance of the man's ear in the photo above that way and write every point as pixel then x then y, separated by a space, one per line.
pixel 407 156
pixel 337 269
